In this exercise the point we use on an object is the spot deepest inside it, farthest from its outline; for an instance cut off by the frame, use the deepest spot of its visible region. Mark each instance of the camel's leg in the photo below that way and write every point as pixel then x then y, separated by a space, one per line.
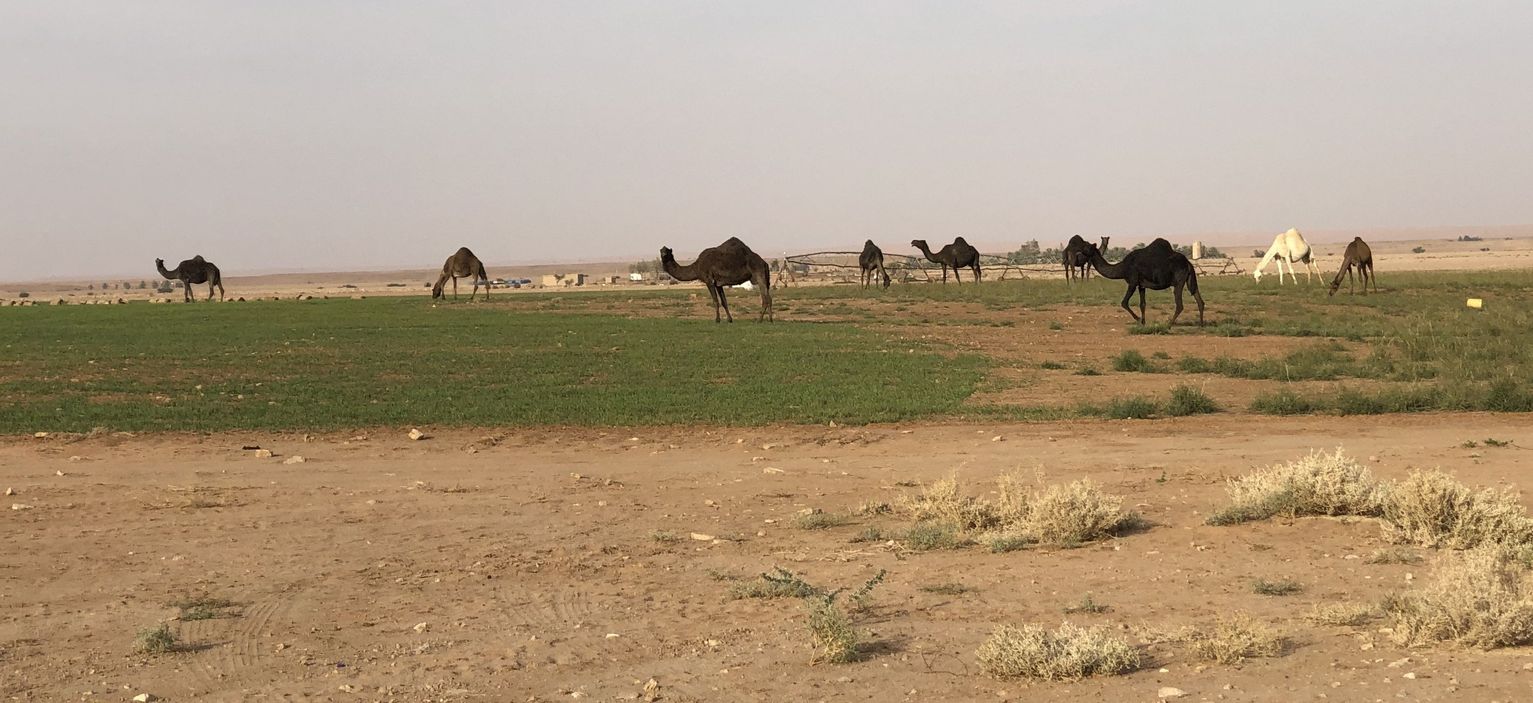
pixel 1144 319
pixel 1177 295
pixel 188 293
pixel 714 294
pixel 1128 295
pixel 1199 297
pixel 454 287
pixel 1316 270
pixel 957 278
pixel 766 302
pixel 724 301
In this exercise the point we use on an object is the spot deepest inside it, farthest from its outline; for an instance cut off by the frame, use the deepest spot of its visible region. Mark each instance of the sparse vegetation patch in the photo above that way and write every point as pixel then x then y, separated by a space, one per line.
pixel 1065 654
pixel 1481 598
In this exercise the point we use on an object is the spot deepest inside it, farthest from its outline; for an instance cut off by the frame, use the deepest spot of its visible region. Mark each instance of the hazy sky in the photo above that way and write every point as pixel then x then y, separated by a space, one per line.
pixel 368 133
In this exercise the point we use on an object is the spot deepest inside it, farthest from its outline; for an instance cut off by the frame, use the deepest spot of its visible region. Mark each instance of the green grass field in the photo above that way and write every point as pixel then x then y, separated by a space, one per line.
pixel 396 361
pixel 647 357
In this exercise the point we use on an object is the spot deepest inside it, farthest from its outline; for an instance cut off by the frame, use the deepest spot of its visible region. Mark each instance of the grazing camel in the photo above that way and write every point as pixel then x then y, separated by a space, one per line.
pixel 461 263
pixel 1359 255
pixel 872 261
pixel 1075 259
pixel 1156 267
pixel 1290 247
pixel 953 256
pixel 729 264
pixel 195 270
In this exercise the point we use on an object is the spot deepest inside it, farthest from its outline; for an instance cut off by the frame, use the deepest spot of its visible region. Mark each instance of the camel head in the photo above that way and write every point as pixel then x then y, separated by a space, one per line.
pixel 918 243
pixel 159 263
pixel 1090 251
pixel 1104 243
pixel 1258 275
pixel 666 254
pixel 436 290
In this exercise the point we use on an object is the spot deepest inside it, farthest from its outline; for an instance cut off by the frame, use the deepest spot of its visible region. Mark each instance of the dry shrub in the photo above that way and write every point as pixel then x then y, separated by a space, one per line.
pixel 1343 614
pixel 835 640
pixel 1431 509
pixel 1237 638
pixel 944 502
pixel 1318 484
pixel 1072 513
pixel 1064 514
pixel 1066 654
pixel 1480 598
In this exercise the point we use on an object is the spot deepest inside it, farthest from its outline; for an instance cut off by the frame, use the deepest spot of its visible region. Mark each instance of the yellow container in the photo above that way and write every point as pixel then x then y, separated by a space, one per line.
pixel 1476 303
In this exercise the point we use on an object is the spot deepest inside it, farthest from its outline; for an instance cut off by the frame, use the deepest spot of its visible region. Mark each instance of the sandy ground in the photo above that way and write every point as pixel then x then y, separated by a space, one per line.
pixel 521 566
pixel 1494 253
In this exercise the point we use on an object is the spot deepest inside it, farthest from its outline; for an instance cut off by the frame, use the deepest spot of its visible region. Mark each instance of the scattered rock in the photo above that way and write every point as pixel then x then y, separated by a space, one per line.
pixel 10 491
pixel 417 435
pixel 20 506
pixel 295 459
pixel 1408 675
pixel 420 627
pixel 1399 663
pixel 263 453
pixel 1169 692
pixel 145 698
pixel 771 470
pixel 651 690
pixel 702 537
pixel 40 435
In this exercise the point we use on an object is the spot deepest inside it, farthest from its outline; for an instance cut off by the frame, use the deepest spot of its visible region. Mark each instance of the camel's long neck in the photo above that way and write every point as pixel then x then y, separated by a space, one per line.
pixel 164 272
pixel 679 272
pixel 928 252
pixel 1107 270
pixel 1272 253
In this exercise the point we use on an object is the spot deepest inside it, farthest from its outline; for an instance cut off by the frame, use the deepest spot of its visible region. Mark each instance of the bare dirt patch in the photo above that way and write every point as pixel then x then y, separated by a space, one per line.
pixel 536 577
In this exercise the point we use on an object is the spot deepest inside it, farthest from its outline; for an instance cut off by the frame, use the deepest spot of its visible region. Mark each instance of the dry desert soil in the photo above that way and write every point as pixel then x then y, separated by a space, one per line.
pixel 554 565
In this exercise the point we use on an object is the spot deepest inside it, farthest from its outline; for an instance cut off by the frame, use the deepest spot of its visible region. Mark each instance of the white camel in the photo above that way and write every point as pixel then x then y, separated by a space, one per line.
pixel 1289 247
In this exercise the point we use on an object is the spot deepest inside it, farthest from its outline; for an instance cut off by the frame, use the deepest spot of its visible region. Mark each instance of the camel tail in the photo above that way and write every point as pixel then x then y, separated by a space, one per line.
pixel 1192 279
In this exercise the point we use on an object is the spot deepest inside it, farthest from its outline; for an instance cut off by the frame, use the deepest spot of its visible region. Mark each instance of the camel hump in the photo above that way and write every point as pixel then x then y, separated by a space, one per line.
pixel 961 240
pixel 198 258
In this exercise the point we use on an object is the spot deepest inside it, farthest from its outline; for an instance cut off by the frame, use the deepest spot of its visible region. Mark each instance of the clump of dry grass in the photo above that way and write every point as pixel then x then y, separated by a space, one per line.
pixel 1278 587
pixel 1480 598
pixel 1432 509
pixel 1236 638
pixel 944 502
pixel 1318 484
pixel 1065 654
pixel 1343 614
pixel 1065 514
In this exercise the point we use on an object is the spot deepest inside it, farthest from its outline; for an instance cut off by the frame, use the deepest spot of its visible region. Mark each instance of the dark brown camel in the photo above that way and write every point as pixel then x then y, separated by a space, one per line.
pixel 1075 259
pixel 728 264
pixel 1359 255
pixel 871 261
pixel 461 263
pixel 953 256
pixel 1156 267
pixel 195 270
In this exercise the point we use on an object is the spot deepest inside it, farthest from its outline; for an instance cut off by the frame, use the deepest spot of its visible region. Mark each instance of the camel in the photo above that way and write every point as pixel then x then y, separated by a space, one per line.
pixel 1156 267
pixel 1359 255
pixel 1290 247
pixel 1075 259
pixel 953 256
pixel 729 264
pixel 872 261
pixel 461 263
pixel 195 270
